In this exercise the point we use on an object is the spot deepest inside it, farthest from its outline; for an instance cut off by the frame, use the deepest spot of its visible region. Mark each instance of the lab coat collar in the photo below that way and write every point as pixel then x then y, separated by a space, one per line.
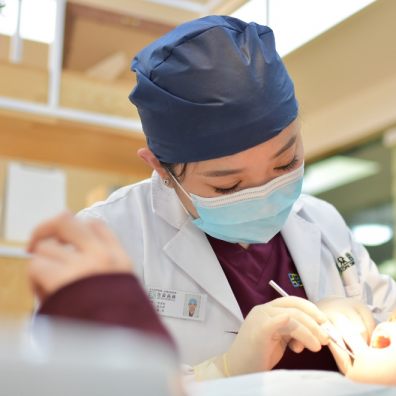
pixel 303 239
pixel 190 250
pixel 166 203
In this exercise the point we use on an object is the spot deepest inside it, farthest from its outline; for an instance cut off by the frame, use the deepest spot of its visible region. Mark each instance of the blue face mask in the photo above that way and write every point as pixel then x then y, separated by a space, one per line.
pixel 254 215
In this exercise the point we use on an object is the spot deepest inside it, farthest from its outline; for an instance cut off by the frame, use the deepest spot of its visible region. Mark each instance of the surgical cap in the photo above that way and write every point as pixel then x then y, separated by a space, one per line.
pixel 192 301
pixel 210 88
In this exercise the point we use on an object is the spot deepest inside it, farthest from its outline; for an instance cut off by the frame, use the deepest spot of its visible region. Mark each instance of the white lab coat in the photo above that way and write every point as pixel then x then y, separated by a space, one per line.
pixel 170 252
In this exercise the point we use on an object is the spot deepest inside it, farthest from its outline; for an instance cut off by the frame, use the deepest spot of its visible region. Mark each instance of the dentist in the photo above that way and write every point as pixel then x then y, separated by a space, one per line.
pixel 223 213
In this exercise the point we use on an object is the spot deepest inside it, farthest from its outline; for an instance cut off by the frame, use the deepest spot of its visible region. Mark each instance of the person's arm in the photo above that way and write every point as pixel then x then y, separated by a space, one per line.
pixel 79 271
pixel 110 299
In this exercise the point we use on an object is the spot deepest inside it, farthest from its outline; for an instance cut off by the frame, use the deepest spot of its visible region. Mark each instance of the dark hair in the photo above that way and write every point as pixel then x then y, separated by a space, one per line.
pixel 171 169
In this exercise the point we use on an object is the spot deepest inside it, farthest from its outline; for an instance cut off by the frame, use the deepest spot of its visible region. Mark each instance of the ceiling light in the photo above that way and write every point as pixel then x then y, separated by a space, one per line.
pixel 372 234
pixel 335 172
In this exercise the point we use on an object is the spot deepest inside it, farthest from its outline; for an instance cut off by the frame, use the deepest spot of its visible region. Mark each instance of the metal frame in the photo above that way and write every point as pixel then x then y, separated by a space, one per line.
pixel 56 56
pixel 71 114
pixel 16 46
pixel 13 252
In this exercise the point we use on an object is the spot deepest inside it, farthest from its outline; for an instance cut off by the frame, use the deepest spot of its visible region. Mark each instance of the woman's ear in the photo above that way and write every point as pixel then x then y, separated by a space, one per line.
pixel 152 161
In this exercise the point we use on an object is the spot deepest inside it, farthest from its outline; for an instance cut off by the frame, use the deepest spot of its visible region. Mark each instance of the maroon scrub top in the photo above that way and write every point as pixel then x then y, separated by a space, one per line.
pixel 248 272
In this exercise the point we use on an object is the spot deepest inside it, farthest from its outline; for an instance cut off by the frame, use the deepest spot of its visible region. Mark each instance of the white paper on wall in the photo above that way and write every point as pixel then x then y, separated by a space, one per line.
pixel 32 195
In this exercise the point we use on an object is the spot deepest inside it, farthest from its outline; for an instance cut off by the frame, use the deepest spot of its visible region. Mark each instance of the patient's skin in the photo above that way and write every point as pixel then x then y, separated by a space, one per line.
pixel 377 363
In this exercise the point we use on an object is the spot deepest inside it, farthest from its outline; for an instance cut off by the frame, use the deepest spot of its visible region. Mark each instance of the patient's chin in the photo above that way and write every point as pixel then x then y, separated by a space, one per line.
pixel 375 366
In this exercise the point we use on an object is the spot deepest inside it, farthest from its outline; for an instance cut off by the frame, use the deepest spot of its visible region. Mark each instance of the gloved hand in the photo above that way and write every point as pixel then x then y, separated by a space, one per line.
pixel 65 249
pixel 266 333
pixel 353 321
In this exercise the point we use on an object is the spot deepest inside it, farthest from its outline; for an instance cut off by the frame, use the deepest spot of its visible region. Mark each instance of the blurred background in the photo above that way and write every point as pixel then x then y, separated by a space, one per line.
pixel 68 134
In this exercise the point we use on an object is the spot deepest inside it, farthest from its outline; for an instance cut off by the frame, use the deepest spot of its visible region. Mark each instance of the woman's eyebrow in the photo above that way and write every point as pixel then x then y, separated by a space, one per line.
pixel 221 173
pixel 227 172
pixel 286 146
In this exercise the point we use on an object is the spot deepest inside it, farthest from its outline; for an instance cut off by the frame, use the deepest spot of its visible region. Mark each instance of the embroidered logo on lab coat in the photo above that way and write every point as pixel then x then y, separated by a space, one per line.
pixel 345 262
pixel 295 279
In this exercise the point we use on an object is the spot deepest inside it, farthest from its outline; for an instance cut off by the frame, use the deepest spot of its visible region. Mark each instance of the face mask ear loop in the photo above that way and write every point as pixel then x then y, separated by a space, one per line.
pixel 183 190
pixel 179 185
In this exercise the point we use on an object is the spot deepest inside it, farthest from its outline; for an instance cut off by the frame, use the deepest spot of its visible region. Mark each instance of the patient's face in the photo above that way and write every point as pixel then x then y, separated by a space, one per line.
pixel 377 363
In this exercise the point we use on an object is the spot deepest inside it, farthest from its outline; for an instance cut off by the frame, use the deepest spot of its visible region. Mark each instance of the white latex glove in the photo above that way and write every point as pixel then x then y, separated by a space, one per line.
pixel 266 333
pixel 353 321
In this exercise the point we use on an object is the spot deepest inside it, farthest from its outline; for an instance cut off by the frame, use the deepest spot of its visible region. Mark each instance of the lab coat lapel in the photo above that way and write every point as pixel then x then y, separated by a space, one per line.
pixel 190 250
pixel 303 240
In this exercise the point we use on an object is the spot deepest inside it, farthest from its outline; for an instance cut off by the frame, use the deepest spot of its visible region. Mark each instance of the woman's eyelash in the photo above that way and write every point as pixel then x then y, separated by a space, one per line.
pixel 226 190
pixel 230 190
pixel 289 166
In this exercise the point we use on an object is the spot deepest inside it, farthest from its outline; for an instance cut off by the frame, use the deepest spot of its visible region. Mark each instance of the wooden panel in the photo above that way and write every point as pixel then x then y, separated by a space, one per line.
pixel 352 120
pixel 15 295
pixel 227 7
pixel 4 47
pixel 35 54
pixel 16 298
pixel 112 32
pixel 110 68
pixel 107 97
pixel 346 81
pixel 163 12
pixel 143 9
pixel 85 186
pixel 77 91
pixel 22 82
pixel 70 143
pixel 352 55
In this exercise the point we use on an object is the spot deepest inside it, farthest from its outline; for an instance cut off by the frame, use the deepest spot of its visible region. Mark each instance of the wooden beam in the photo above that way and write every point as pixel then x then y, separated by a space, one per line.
pixel 110 68
pixel 77 91
pixel 229 6
pixel 69 143
pixel 112 30
pixel 142 9
pixel 107 97
pixel 112 15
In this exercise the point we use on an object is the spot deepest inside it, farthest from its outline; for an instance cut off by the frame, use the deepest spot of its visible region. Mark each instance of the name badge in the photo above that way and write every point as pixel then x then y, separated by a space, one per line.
pixel 178 304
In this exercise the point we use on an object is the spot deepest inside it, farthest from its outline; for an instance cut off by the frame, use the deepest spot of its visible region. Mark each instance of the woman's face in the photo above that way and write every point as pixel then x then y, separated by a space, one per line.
pixel 250 168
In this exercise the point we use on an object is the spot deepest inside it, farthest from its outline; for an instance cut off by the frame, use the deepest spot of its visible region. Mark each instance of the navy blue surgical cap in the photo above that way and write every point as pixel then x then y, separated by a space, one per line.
pixel 212 87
